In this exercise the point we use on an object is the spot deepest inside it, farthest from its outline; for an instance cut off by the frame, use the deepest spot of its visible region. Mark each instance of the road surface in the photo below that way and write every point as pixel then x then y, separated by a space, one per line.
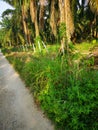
pixel 17 108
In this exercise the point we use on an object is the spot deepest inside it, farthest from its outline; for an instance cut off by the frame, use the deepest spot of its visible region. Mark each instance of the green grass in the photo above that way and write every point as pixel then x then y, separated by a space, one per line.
pixel 67 92
pixel 85 47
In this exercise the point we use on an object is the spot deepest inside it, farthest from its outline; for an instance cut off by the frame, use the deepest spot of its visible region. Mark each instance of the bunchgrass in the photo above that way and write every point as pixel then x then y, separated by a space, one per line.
pixel 65 90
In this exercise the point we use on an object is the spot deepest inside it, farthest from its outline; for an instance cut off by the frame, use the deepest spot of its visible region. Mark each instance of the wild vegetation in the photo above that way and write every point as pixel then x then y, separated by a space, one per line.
pixel 52 43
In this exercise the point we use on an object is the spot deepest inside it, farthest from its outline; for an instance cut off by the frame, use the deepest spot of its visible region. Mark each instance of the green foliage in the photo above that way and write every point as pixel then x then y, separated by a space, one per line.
pixel 67 92
pixel 85 23
pixel 18 62
pixel 86 46
pixel 62 30
pixel 39 44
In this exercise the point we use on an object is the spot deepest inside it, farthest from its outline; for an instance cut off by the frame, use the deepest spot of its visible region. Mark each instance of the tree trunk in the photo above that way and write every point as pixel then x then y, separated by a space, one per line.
pixel 41 15
pixel 33 13
pixel 66 17
pixel 62 11
pixel 69 20
pixel 52 18
pixel 25 26
pixel 62 20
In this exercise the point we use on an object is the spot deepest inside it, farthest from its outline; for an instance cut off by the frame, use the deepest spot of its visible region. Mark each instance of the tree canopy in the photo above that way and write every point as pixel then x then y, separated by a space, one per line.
pixel 32 21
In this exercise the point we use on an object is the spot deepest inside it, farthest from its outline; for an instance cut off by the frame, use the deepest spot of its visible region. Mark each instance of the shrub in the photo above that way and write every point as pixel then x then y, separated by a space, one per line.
pixel 67 93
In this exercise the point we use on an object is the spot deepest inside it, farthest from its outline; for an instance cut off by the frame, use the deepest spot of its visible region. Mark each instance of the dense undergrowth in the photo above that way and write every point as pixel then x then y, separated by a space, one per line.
pixel 66 91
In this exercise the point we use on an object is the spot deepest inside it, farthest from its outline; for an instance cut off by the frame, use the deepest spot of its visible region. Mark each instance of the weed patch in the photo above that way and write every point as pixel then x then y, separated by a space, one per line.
pixel 67 93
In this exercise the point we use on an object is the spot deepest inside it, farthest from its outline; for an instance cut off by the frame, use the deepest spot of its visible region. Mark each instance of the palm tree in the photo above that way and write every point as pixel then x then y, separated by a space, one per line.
pixel 16 21
pixel 22 8
pixel 41 15
pixel 33 13
pixel 74 9
pixel 53 18
pixel 24 21
pixel 94 8
pixel 66 17
pixel 7 31
pixel 68 20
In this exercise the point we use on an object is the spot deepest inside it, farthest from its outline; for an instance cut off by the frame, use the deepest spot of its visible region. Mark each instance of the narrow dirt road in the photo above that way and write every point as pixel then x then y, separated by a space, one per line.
pixel 17 108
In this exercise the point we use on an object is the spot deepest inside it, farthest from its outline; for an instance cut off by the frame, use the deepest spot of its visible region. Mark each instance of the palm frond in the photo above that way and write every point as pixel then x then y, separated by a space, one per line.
pixel 8 12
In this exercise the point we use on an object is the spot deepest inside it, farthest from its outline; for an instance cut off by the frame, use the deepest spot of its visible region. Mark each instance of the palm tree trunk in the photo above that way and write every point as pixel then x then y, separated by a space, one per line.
pixel 62 20
pixel 62 11
pixel 33 13
pixel 69 20
pixel 52 18
pixel 66 17
pixel 41 15
pixel 24 23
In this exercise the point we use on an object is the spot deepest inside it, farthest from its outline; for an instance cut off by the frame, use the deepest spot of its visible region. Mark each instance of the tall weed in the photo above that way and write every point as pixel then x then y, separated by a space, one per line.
pixel 67 92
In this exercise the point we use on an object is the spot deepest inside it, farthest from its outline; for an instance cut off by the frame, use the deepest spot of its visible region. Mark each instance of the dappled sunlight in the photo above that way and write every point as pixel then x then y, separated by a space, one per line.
pixel 53 46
